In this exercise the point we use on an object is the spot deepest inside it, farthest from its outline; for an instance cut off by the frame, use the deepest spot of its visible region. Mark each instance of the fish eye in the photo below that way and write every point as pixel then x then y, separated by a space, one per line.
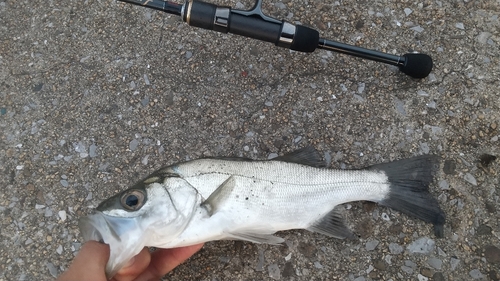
pixel 133 200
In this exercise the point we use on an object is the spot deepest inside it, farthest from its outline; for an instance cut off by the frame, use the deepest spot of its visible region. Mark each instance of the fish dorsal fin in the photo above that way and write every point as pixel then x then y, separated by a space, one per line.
pixel 332 224
pixel 305 156
pixel 256 238
pixel 218 197
pixel 229 158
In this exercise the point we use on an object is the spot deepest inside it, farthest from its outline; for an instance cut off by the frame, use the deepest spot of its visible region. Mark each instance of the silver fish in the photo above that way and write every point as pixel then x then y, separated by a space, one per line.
pixel 230 198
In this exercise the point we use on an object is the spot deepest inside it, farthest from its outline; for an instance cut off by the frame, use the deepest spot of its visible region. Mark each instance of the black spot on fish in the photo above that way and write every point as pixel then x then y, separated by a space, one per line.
pixel 246 198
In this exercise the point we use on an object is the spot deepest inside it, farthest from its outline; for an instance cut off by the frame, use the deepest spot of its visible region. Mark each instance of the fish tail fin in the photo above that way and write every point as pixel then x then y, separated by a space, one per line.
pixel 409 181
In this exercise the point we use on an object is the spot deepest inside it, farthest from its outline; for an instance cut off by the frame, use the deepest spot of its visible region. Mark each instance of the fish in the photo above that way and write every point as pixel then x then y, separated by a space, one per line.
pixel 221 198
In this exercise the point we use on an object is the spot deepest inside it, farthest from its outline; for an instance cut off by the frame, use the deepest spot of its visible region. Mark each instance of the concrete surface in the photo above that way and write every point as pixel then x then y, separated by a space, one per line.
pixel 94 94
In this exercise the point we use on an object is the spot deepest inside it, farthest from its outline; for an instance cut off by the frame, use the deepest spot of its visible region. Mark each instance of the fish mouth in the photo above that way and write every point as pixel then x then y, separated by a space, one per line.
pixel 124 236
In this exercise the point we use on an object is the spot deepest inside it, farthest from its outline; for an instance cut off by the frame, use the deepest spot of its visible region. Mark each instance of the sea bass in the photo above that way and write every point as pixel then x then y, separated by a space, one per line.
pixel 232 198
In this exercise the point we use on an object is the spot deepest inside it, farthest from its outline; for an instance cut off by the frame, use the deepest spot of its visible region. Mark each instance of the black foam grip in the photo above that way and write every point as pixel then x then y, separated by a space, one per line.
pixel 417 65
pixel 305 40
pixel 254 27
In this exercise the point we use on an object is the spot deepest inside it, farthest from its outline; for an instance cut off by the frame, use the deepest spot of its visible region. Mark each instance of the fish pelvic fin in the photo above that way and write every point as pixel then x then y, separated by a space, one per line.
pixel 332 224
pixel 409 181
pixel 306 156
pixel 217 198
pixel 256 238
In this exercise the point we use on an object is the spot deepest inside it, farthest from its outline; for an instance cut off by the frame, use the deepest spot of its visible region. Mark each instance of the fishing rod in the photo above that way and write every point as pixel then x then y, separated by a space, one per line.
pixel 255 24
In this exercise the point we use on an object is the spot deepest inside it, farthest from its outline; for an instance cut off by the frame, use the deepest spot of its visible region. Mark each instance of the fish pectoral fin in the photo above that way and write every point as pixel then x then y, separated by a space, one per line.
pixel 332 224
pixel 256 238
pixel 305 156
pixel 221 194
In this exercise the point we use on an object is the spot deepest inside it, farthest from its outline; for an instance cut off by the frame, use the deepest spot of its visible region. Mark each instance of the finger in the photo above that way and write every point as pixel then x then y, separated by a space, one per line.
pixel 89 263
pixel 135 267
pixel 164 260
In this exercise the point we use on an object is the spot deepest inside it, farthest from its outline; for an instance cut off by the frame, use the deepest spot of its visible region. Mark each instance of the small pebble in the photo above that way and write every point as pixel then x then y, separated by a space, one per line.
pixel 431 104
pixel 422 245
pixel 454 263
pixel 328 159
pixel 417 28
pixel 145 159
pixel 422 93
pixel 48 212
pixel 435 263
pixel 400 107
pixel 407 269
pixel 361 87
pixel 385 217
pixel 280 5
pixel 425 148
pixel 93 150
pixel 449 167
pixel 133 144
pixel 443 184
pixel 59 249
pixel 476 274
pixel 272 155
pixel 52 269
pixel 459 25
pixel 470 179
pixel 483 37
pixel 395 249
pixel 422 278
pixel 371 245
pixel 492 254
pixel 438 276
pixel 62 215
pixel 38 206
pixel 274 271
pixel 483 230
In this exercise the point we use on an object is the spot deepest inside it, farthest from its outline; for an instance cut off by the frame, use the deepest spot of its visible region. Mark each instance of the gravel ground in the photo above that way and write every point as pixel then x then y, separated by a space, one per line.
pixel 94 94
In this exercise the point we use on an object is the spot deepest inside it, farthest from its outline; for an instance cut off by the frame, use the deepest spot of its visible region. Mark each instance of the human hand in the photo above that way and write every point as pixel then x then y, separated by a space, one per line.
pixel 90 263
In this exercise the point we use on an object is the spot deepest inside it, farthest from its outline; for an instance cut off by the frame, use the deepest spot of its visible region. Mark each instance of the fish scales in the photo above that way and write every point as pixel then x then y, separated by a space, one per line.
pixel 288 179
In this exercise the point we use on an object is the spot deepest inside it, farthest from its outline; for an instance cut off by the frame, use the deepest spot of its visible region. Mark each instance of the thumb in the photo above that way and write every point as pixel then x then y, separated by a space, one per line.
pixel 89 264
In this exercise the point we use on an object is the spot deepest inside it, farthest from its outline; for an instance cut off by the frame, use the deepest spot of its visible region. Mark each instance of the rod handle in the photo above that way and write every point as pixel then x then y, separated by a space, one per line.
pixel 251 24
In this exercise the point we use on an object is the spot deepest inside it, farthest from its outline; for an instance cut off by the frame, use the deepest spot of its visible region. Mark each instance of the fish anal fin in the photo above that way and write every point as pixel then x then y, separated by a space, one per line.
pixel 217 198
pixel 256 238
pixel 305 156
pixel 332 224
